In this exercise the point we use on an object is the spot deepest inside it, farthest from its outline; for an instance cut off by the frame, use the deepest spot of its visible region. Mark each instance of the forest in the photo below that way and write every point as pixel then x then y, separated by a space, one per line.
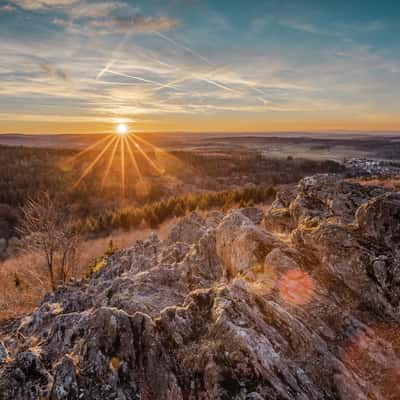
pixel 169 185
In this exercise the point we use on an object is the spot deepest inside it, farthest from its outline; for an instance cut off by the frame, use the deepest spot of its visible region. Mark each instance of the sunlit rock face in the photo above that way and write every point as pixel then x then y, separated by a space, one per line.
pixel 305 306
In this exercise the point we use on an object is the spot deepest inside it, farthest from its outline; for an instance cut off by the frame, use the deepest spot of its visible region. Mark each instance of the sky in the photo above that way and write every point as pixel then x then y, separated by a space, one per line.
pixel 82 66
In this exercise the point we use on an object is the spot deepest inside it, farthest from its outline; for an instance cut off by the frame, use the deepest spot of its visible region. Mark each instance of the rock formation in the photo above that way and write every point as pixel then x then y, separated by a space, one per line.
pixel 304 307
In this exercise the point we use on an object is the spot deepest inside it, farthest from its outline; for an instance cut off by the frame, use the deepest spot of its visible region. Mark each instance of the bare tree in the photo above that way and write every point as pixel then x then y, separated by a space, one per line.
pixel 49 230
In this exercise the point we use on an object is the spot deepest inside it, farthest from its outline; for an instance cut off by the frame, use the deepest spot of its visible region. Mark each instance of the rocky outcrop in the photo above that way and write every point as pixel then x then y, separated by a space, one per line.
pixel 318 198
pixel 377 219
pixel 254 214
pixel 305 306
pixel 241 245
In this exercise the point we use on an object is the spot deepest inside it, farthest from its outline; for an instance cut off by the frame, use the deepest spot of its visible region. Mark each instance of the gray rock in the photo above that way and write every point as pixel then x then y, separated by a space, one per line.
pixel 65 384
pixel 379 219
pixel 241 245
pixel 188 230
pixel 3 353
pixel 255 214
pixel 3 245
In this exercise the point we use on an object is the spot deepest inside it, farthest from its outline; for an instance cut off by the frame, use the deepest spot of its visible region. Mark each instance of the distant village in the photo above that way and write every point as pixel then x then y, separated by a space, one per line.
pixel 372 167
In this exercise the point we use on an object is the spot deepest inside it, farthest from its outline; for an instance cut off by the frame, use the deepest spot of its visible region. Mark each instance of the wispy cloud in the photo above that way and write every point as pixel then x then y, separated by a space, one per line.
pixel 335 28
pixel 111 18
pixel 54 71
pixel 96 10
pixel 301 26
pixel 136 24
pixel 7 8
pixel 130 86
pixel 100 61
pixel 42 4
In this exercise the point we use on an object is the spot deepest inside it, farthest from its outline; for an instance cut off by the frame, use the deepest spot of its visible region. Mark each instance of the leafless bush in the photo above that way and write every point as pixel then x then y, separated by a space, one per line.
pixel 49 231
pixel 24 278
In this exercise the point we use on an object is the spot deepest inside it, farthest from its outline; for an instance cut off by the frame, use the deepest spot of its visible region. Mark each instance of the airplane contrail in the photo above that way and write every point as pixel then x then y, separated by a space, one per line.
pixel 113 60
pixel 189 77
pixel 220 85
pixel 183 47
pixel 205 78
pixel 138 78
pixel 105 69
pixel 156 60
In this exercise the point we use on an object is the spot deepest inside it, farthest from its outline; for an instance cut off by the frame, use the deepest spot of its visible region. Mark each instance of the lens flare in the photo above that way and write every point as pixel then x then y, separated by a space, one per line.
pixel 122 129
pixel 110 163
pixel 93 163
pixel 125 144
pixel 371 353
pixel 297 287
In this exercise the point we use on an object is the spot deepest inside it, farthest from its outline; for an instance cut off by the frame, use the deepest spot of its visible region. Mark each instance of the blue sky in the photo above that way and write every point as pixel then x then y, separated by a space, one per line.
pixel 193 65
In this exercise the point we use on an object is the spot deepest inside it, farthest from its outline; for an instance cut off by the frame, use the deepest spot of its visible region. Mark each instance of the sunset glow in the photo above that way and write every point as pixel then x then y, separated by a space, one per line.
pixel 194 66
pixel 120 152
pixel 122 129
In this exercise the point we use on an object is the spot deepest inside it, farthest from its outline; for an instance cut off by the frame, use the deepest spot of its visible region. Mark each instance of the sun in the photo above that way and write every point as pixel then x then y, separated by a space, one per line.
pixel 122 129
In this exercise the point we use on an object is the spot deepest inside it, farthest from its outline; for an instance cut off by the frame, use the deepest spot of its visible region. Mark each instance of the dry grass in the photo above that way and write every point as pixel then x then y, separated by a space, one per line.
pixel 24 279
pixel 23 283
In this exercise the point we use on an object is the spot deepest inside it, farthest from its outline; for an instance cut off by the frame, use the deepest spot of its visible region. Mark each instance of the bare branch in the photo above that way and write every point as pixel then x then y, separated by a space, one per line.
pixel 48 229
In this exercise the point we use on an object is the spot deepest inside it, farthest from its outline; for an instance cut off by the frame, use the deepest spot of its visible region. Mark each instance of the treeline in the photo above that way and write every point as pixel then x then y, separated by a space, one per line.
pixel 154 214
pixel 250 167
pixel 27 171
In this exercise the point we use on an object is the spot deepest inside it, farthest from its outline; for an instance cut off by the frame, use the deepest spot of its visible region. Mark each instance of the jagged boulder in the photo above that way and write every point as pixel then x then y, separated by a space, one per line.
pixel 379 219
pixel 277 217
pixel 188 230
pixel 325 196
pixel 65 380
pixel 254 214
pixel 317 198
pixel 201 267
pixel 25 378
pixel 3 353
pixel 241 245
pixel 213 218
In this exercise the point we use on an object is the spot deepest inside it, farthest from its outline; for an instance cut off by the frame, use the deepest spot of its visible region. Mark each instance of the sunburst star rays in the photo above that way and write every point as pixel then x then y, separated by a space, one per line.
pixel 110 162
pixel 94 162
